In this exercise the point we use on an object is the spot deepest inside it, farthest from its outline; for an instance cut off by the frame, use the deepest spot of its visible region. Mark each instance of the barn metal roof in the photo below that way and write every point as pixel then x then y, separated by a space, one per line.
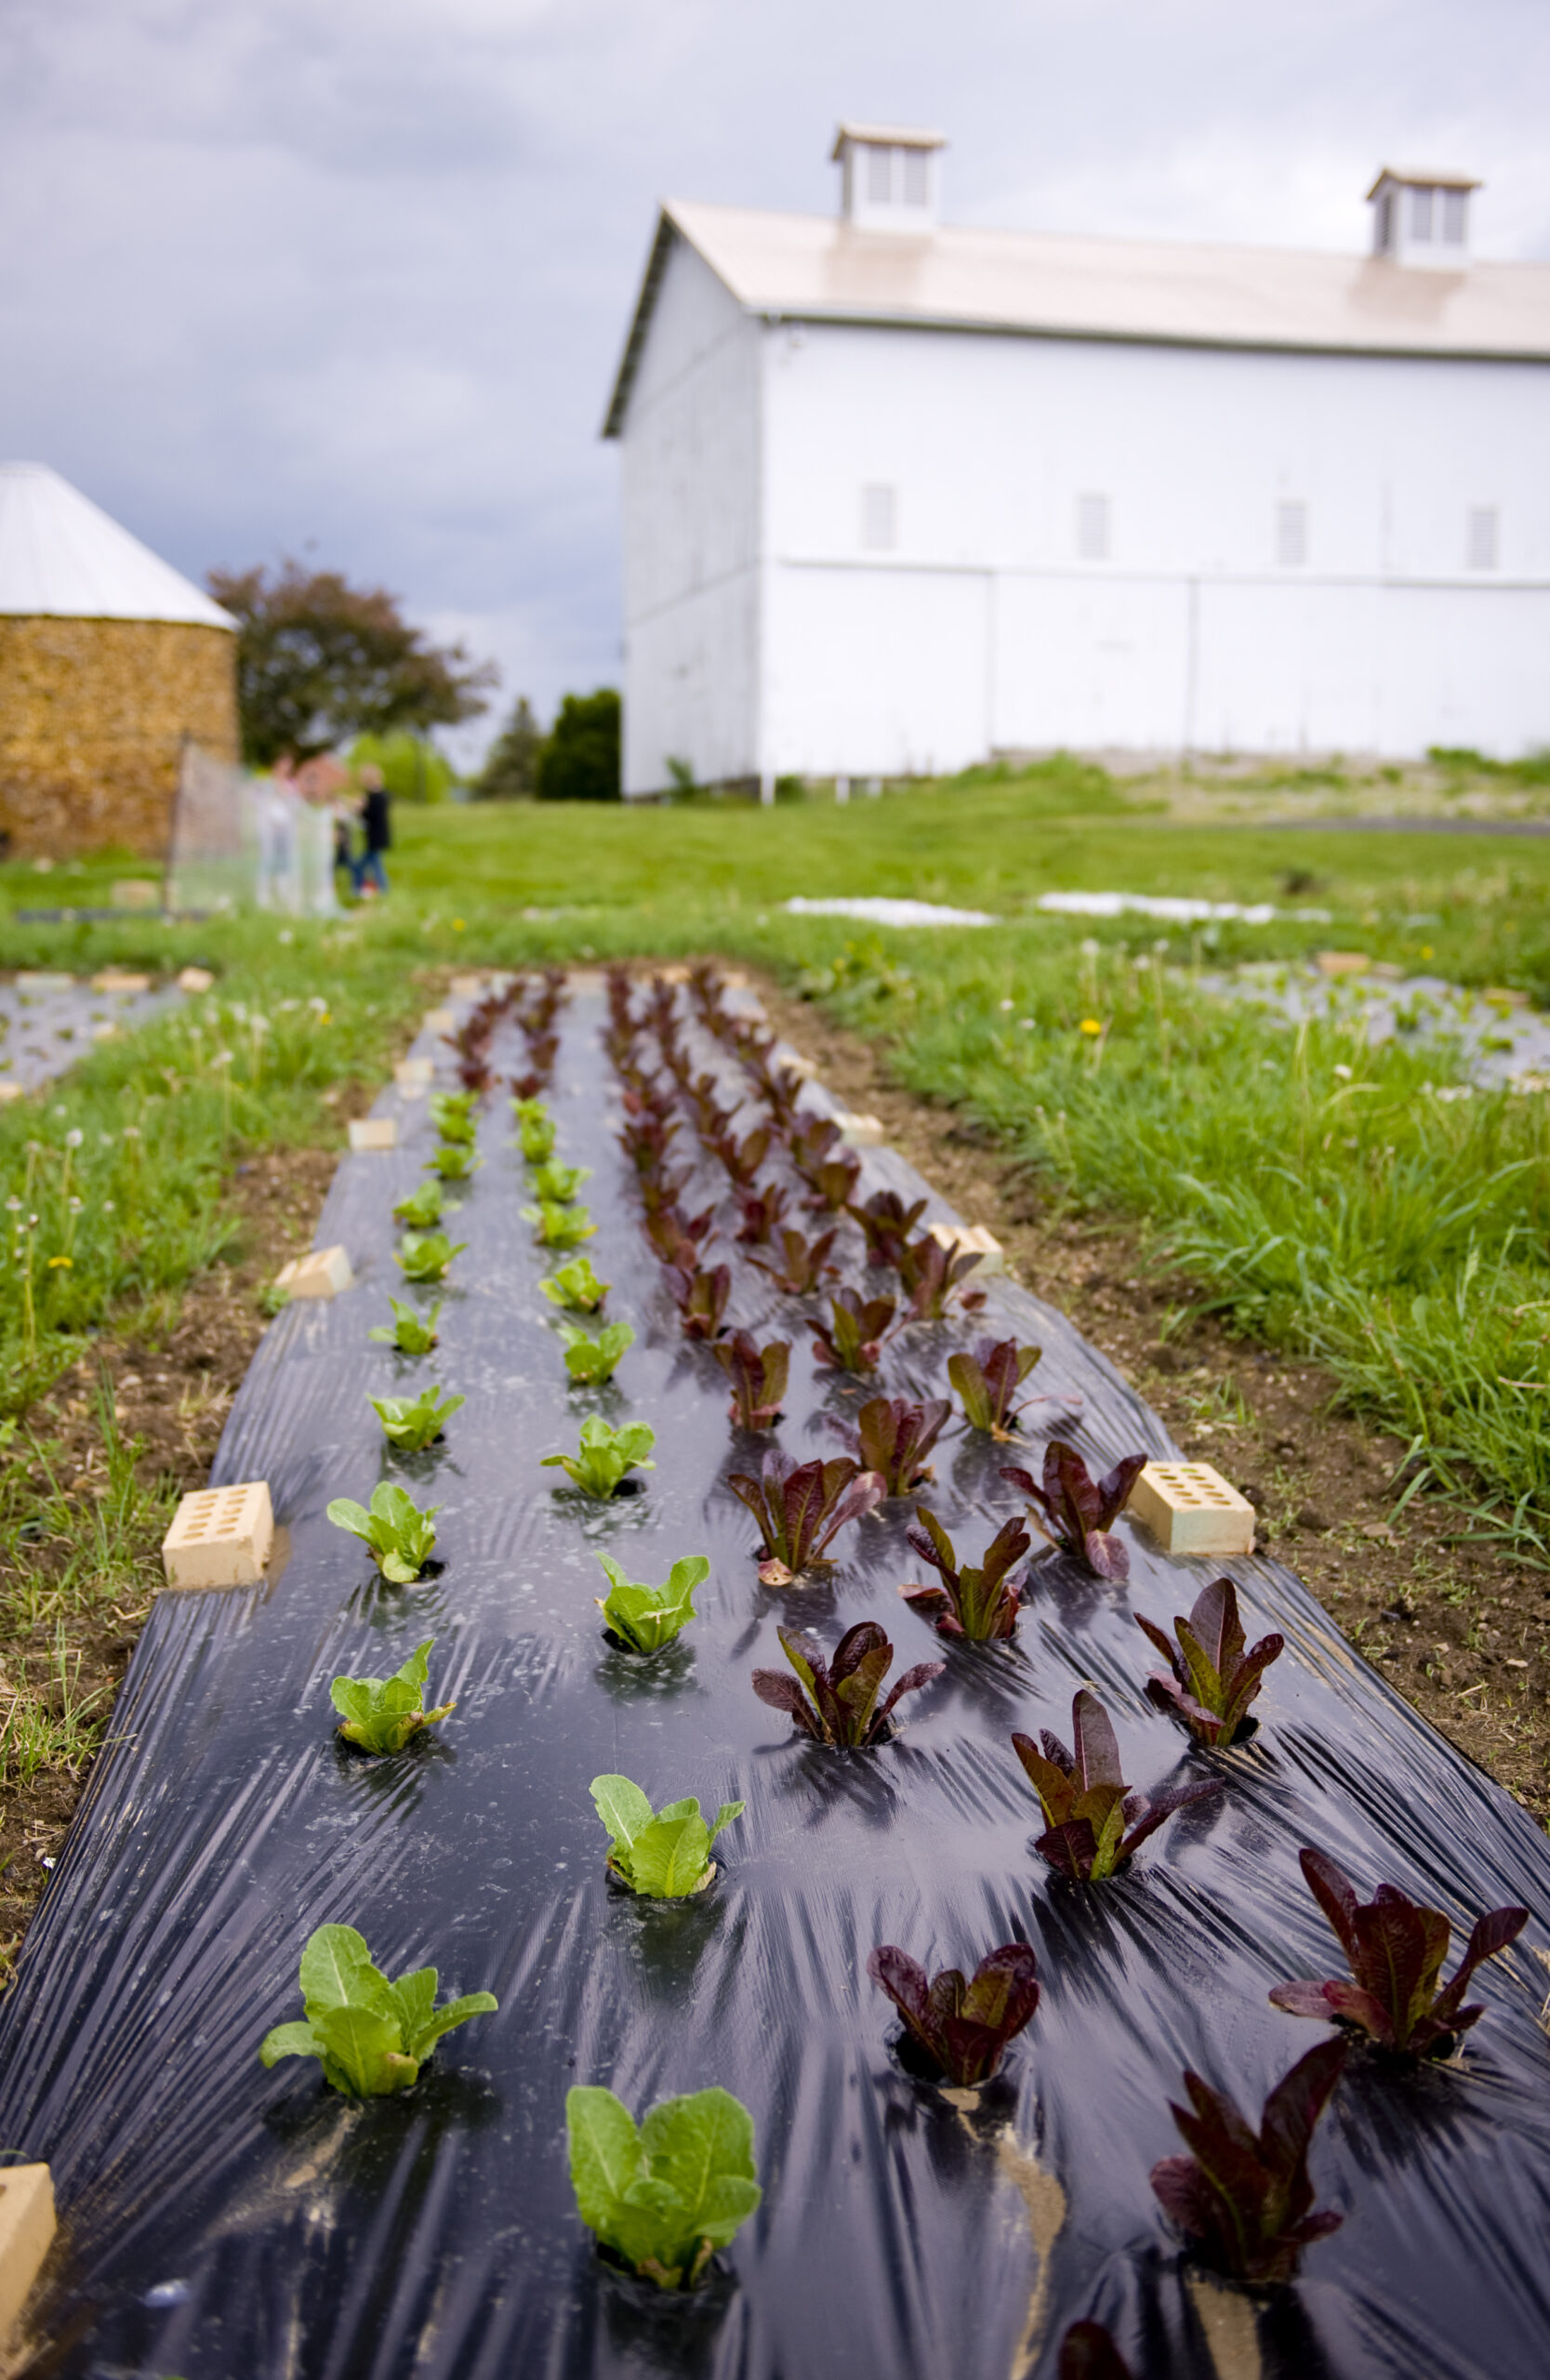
pixel 61 557
pixel 816 268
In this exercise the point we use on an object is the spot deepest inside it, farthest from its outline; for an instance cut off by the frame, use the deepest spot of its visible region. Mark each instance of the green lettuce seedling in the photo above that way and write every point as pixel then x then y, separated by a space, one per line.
pixel 559 1226
pixel 663 1853
pixel 424 1256
pixel 422 1209
pixel 559 1183
pixel 536 1134
pixel 399 1535
pixel 452 1113
pixel 381 1713
pixel 372 2036
pixel 649 1618
pixel 665 2198
pixel 412 1421
pixel 591 1361
pixel 605 1455
pixel 406 1331
pixel 577 1286
pixel 453 1161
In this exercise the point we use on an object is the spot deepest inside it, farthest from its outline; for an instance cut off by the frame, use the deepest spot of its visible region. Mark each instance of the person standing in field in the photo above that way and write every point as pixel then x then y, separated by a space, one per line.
pixel 376 824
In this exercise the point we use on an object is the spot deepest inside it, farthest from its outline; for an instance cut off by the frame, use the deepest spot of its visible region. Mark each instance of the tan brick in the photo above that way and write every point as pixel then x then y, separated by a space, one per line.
pixel 859 1132
pixel 468 987
pixel 972 1239
pixel 373 1132
pixel 195 979
pixel 1189 1508
pixel 27 2226
pixel 413 1073
pixel 220 1537
pixel 114 979
pixel 438 1020
pixel 323 1273
pixel 1343 963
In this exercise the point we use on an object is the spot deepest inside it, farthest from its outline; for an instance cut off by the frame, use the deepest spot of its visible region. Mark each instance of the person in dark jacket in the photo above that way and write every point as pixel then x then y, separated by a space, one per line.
pixel 378 825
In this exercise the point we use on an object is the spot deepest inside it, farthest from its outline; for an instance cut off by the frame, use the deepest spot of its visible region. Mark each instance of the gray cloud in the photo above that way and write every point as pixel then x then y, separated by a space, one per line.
pixel 358 274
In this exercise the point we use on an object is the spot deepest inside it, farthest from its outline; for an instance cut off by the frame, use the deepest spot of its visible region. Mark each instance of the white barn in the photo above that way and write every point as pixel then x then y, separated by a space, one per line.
pixel 898 496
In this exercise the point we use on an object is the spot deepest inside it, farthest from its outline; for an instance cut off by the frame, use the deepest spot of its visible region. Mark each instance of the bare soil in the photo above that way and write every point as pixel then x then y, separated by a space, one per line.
pixel 1462 1632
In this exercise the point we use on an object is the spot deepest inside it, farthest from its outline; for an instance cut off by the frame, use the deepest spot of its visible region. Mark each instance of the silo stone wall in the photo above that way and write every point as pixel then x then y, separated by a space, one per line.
pixel 93 714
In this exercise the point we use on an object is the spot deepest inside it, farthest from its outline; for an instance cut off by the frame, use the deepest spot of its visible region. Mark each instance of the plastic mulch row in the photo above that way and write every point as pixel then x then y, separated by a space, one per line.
pixel 219 2219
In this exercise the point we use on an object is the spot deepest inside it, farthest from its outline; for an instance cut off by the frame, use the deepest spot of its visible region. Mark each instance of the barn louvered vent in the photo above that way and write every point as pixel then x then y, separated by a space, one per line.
pixel 1421 219
pixel 890 177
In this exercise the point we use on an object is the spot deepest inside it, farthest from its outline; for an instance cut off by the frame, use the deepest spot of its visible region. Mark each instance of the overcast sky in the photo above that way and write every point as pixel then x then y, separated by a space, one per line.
pixel 349 278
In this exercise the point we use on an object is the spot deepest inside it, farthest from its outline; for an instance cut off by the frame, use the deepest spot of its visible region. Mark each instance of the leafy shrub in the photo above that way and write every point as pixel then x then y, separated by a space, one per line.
pixel 836 1702
pixel 758 1376
pixel 382 1714
pixel 1211 1679
pixel 1244 2198
pixel 981 1605
pixel 665 2198
pixel 1094 1822
pixel 579 759
pixel 1396 1947
pixel 424 1256
pixel 407 1332
pixel 399 1536
pixel 852 1340
pixel 893 1436
pixel 421 1210
pixel 559 1226
pixel 557 1184
pixel 804 1265
pixel 412 1421
pixel 963 2026
pixel 576 1287
pixel 1076 1512
pixel 370 2036
pixel 665 1853
pixel 801 1508
pixel 700 1297
pixel 987 1381
pixel 605 1455
pixel 590 1361
pixel 453 1161
pixel 647 1618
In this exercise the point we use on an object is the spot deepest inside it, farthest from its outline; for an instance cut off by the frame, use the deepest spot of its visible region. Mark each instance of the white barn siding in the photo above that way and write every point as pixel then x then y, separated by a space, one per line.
pixel 691 479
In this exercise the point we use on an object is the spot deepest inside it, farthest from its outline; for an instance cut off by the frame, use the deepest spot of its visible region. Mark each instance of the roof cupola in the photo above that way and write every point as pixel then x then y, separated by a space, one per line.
pixel 1421 219
pixel 891 177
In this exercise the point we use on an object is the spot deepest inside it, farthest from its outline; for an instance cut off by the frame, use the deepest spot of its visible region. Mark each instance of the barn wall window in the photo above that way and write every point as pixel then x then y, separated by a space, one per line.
pixel 1292 534
pixel 878 518
pixel 1092 528
pixel 1481 537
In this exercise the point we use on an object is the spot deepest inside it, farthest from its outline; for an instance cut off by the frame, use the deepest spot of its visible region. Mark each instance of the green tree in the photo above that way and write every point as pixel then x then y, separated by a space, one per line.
pixel 320 661
pixel 412 768
pixel 579 758
pixel 510 771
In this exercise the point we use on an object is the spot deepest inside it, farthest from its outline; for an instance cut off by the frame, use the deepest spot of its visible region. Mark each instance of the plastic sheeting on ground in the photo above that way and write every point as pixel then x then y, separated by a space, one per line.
pixel 221 2220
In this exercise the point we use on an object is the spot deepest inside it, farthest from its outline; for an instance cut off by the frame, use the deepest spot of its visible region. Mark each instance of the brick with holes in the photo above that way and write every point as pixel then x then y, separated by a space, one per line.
pixel 220 1537
pixel 1189 1508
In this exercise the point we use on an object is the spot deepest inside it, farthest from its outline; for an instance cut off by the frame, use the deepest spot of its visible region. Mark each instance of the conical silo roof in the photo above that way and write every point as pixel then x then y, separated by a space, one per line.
pixel 61 556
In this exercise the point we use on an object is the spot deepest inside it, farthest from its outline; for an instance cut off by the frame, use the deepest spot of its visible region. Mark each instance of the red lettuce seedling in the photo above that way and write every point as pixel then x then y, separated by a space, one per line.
pixel 762 1211
pixel 1245 2198
pixel 758 1377
pixel 979 1604
pixel 675 1237
pixel 801 1507
pixel 700 1297
pixel 1212 1679
pixel 987 1381
pixel 814 1144
pixel 963 2026
pixel 527 1086
pixel 1076 1512
pixel 833 1185
pixel 1094 1819
pixel 852 1341
pixel 742 1158
pixel 1396 1947
pixel 661 1189
pixel 804 1265
pixel 893 1436
pixel 836 1702
pixel 644 1141
pixel 1088 2352
pixel 931 1275
pixel 887 1223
